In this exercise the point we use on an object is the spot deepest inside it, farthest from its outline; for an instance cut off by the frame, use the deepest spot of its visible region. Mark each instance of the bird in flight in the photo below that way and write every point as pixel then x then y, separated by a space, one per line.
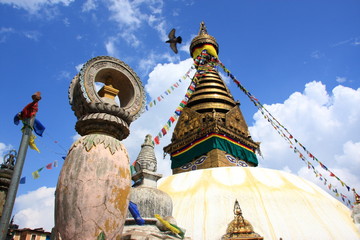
pixel 173 40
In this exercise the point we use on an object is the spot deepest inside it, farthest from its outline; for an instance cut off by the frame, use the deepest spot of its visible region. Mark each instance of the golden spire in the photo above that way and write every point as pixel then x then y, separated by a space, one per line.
pixel 201 40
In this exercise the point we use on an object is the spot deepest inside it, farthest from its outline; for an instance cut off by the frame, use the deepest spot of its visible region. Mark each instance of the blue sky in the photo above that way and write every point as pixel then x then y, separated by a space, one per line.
pixel 299 58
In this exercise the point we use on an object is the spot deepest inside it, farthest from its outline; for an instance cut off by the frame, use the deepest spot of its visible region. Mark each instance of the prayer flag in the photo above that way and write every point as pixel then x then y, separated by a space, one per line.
pixel 157 140
pixel 32 144
pixel 29 110
pixel 49 166
pixel 23 180
pixel 332 175
pixel 172 119
pixel 163 130
pixel 35 174
pixel 38 128
pixel 55 163
pixel 135 213
pixel 101 236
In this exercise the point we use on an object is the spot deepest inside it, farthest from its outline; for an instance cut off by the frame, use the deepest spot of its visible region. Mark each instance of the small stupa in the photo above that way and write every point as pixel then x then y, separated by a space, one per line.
pixel 148 199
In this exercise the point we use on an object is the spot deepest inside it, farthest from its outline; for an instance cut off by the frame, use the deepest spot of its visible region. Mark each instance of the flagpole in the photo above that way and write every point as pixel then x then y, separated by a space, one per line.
pixel 14 184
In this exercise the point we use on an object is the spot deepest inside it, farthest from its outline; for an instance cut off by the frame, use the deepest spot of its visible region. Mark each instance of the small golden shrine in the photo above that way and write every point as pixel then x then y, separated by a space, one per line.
pixel 240 228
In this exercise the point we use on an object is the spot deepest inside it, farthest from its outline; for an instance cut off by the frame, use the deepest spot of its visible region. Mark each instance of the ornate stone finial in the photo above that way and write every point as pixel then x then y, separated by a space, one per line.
pixel 240 228
pixel 96 111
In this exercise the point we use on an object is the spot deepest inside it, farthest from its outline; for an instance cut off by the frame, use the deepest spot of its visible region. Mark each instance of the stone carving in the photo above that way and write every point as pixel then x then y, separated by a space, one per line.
pixel 92 111
pixel 91 197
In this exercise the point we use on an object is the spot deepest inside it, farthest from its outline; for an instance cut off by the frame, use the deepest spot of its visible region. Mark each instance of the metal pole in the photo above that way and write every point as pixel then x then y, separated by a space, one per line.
pixel 14 184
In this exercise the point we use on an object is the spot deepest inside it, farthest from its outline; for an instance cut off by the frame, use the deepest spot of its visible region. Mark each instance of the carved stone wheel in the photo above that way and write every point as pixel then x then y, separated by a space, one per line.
pixel 97 113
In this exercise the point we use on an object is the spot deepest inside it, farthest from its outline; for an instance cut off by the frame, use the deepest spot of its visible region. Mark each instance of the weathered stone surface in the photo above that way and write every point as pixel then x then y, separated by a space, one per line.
pixel 151 201
pixel 92 191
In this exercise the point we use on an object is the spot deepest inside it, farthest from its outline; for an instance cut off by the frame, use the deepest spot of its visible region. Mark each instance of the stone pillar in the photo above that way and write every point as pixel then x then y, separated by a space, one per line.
pixel 91 197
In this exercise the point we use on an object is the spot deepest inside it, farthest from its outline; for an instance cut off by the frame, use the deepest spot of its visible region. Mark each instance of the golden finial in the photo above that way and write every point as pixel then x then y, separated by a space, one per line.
pixel 203 30
pixel 203 38
pixel 108 91
pixel 240 228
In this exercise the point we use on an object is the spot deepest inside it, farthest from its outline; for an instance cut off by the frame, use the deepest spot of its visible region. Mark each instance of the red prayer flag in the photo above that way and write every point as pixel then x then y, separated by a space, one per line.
pixel 172 119
pixel 49 166
pixel 163 130
pixel 332 175
pixel 30 110
pixel 157 140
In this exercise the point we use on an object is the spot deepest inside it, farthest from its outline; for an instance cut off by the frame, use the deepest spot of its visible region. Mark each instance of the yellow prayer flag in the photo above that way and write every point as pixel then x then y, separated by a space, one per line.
pixel 35 174
pixel 32 144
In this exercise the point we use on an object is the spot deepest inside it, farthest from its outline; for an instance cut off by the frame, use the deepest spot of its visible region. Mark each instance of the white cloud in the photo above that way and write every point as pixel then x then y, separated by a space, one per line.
pixel 89 5
pixel 340 79
pixel 79 66
pixel 33 6
pixel 35 209
pixel 152 58
pixel 111 48
pixel 327 125
pixel 4 149
pixel 316 54
pixel 75 137
pixel 64 75
pixel 151 122
pixel 132 15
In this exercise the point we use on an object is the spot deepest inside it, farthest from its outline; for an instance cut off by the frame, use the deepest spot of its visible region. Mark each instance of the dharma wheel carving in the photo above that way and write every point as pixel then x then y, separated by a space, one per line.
pixel 111 109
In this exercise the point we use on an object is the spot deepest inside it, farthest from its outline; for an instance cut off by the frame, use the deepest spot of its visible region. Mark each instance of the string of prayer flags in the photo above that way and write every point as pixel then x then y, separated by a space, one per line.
pixel 152 103
pixel 178 112
pixel 286 134
pixel 36 174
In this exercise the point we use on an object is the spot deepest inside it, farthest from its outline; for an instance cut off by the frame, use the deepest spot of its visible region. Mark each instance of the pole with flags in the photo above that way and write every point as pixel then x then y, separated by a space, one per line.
pixel 27 115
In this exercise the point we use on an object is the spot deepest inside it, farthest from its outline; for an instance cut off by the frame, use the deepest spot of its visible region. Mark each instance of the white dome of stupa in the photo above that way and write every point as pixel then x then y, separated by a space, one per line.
pixel 276 203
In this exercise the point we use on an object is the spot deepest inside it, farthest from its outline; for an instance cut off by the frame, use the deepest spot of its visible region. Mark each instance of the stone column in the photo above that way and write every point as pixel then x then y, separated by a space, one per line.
pixel 92 192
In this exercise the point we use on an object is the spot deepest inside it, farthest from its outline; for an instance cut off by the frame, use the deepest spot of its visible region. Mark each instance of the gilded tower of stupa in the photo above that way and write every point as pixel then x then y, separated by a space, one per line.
pixel 211 131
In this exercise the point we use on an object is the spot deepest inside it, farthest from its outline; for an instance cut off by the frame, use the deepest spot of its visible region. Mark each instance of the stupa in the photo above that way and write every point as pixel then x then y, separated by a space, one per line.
pixel 148 199
pixel 214 163
pixel 211 131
